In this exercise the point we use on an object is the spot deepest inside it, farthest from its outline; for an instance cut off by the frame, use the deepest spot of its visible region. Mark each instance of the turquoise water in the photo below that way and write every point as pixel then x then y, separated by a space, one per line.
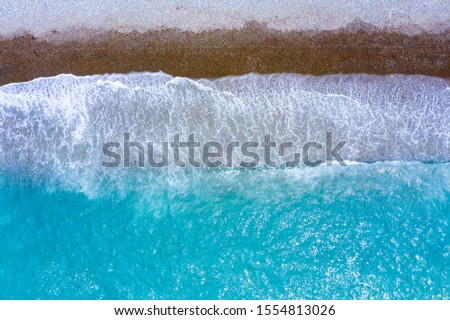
pixel 361 231
pixel 375 229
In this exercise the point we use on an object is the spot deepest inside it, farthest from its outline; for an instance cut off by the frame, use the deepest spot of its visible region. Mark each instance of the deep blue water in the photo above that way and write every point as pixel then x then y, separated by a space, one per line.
pixel 361 231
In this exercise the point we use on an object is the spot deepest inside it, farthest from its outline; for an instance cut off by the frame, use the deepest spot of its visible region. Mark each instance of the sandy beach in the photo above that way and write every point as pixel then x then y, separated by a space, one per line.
pixel 217 53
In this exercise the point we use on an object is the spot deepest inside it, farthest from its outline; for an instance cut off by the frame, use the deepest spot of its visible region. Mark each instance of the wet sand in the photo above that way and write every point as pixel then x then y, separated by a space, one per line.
pixel 219 53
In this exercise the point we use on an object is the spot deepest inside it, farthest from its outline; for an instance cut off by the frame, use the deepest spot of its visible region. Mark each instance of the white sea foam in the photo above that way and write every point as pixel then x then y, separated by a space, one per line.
pixel 41 17
pixel 56 127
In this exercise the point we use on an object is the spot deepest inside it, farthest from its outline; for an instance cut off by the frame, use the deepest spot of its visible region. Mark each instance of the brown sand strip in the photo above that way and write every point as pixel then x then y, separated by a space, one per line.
pixel 227 52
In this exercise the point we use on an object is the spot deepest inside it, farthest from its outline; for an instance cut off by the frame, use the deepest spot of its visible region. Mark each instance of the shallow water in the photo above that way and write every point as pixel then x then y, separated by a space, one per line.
pixel 376 228
pixel 363 231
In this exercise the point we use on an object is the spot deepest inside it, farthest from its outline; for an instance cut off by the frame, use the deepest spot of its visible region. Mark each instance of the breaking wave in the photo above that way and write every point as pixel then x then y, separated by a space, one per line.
pixel 54 128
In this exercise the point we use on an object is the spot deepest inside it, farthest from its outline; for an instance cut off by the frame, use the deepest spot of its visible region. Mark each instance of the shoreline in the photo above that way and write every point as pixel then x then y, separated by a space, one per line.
pixel 225 52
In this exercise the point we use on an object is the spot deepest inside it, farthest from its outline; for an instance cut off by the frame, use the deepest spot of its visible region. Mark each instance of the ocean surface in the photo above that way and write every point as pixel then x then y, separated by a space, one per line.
pixel 377 228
